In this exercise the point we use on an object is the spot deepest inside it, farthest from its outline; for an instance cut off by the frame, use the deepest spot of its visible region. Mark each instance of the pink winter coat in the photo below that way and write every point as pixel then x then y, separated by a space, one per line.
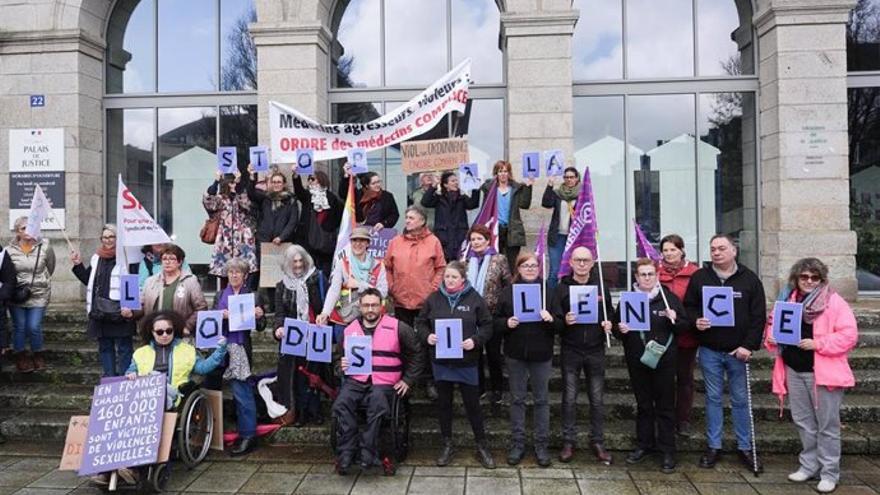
pixel 835 333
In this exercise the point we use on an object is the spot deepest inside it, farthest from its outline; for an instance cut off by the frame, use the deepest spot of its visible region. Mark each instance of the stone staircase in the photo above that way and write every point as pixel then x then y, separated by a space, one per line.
pixel 36 406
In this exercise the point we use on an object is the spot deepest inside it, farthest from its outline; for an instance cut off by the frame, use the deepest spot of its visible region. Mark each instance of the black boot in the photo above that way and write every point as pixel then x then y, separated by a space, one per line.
pixel 484 456
pixel 446 453
pixel 242 446
pixel 668 466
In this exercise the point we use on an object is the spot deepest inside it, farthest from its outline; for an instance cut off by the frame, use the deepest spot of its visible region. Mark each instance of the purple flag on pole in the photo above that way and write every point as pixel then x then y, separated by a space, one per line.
pixel 583 228
pixel 541 249
pixel 644 249
pixel 488 216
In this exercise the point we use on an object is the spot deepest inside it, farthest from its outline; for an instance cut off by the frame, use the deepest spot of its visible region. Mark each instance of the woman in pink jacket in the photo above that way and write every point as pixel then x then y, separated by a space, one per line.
pixel 815 373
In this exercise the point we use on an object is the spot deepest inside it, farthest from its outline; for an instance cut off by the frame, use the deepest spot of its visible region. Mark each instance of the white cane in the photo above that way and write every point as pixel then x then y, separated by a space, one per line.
pixel 751 420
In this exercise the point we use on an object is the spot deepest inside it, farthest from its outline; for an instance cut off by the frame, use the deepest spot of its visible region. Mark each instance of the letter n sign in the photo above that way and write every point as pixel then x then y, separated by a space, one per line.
pixel 787 319
pixel 635 311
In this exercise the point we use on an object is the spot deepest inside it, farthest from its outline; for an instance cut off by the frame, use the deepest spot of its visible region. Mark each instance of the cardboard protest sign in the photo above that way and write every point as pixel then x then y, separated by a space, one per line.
pixel 469 176
pixel 209 329
pixel 449 338
pixel 305 162
pixel 215 400
pixel 320 340
pixel 77 429
pixel 531 164
pixel 718 306
pixel 125 424
pixel 357 158
pixel 359 353
pixel 227 160
pixel 379 242
pixel 259 158
pixel 271 257
pixel 554 163
pixel 635 311
pixel 295 341
pixel 527 302
pixel 242 316
pixel 129 292
pixel 433 155
pixel 584 303
pixel 787 319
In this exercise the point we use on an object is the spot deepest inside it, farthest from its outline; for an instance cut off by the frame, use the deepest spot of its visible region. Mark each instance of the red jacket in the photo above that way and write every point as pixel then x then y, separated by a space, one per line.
pixel 414 266
pixel 678 284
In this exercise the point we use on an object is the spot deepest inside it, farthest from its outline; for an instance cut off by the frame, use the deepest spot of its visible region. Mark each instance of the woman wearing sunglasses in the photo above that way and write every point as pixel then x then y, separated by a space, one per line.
pixel 815 372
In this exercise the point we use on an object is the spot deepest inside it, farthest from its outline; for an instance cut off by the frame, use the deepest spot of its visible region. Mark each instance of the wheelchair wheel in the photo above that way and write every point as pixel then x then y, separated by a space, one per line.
pixel 195 429
pixel 159 476
pixel 400 428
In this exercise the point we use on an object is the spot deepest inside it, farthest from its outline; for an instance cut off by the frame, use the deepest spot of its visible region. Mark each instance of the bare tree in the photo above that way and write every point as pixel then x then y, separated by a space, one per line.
pixel 239 68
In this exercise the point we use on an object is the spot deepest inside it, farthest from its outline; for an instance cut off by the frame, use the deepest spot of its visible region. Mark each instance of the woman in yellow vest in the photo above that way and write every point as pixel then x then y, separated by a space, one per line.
pixel 166 352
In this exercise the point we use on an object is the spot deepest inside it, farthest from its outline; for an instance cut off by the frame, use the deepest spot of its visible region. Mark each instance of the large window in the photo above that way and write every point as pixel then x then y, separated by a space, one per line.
pixel 180 81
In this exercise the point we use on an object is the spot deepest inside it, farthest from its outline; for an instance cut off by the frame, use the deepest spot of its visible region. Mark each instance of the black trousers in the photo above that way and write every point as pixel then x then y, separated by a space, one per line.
pixel 294 386
pixel 377 401
pixel 655 403
pixel 470 395
pixel 494 360
pixel 510 252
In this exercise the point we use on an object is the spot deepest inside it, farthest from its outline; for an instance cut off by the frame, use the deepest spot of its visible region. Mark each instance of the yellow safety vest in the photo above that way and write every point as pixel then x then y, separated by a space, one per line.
pixel 183 360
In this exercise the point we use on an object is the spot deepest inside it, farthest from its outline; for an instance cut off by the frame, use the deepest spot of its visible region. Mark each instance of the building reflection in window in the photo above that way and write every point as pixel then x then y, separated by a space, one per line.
pixel 864 169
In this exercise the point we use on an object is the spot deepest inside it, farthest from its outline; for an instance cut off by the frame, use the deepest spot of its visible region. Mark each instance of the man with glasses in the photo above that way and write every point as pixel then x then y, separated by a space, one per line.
pixel 397 362
pixel 562 201
pixel 583 348
pixel 725 350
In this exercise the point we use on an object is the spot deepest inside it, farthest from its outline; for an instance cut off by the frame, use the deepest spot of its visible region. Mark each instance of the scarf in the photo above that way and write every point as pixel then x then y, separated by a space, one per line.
pixel 815 302
pixel 672 268
pixel 566 193
pixel 651 294
pixel 360 270
pixel 297 285
pixel 105 253
pixel 477 270
pixel 319 198
pixel 279 199
pixel 455 295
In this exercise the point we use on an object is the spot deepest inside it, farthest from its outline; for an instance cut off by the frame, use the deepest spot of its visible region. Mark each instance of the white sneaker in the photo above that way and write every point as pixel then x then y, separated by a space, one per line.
pixel 102 479
pixel 826 486
pixel 799 476
pixel 127 475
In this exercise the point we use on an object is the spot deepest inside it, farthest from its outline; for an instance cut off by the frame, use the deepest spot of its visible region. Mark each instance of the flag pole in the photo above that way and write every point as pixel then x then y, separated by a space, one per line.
pixel 543 280
pixel 602 290
pixel 665 301
pixel 63 231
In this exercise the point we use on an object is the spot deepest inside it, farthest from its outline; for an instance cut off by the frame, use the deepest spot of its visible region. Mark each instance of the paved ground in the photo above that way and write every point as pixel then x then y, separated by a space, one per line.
pixel 31 469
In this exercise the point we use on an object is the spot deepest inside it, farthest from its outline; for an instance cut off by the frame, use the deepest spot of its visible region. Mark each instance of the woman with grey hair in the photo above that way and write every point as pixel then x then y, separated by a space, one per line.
pixel 106 324
pixel 34 261
pixel 815 372
pixel 299 295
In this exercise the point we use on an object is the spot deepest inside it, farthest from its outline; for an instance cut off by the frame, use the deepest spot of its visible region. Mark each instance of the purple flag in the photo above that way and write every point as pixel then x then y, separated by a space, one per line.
pixel 644 249
pixel 541 249
pixel 583 228
pixel 488 216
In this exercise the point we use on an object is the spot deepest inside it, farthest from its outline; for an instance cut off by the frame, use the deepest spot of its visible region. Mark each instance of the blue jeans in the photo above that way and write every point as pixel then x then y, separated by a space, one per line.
pixel 27 324
pixel 245 408
pixel 555 254
pixel 714 365
pixel 115 354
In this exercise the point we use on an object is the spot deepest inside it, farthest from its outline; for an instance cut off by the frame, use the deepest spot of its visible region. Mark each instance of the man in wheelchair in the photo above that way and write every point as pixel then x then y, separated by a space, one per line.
pixel 397 363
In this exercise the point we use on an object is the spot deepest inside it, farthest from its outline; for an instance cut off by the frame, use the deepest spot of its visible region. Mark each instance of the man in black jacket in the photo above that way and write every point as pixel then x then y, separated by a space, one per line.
pixel 583 348
pixel 726 350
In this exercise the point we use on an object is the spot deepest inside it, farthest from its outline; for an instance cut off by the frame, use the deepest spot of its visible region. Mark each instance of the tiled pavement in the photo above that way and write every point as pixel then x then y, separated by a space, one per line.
pixel 280 470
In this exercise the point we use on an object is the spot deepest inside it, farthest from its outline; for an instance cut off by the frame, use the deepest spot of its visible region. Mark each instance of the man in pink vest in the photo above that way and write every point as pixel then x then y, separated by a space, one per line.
pixel 397 363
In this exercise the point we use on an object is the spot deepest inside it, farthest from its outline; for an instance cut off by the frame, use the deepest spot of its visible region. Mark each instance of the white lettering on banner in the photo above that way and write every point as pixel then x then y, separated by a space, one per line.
pixel 290 130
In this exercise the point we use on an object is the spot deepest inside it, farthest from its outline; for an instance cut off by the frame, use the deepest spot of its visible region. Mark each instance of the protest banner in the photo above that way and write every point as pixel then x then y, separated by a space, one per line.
pixel 242 313
pixel 134 226
pixel 357 158
pixel 77 429
pixel 584 303
pixel 295 340
pixel 787 319
pixel 718 306
pixel 209 329
pixel 290 130
pixel 129 292
pixel 259 158
pixel 449 338
pixel 125 424
pixel 435 154
pixel 554 163
pixel 469 176
pixel 635 311
pixel 379 242
pixel 359 353
pixel 527 302
pixel 39 213
pixel 320 342
pixel 227 160
pixel 271 257
pixel 36 158
pixel 531 164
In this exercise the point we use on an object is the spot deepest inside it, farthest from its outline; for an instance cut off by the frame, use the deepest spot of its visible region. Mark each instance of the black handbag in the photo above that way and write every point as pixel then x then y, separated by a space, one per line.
pixel 23 292
pixel 104 309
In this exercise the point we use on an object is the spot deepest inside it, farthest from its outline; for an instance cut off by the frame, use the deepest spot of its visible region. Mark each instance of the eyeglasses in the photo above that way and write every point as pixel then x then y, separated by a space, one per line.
pixel 529 266
pixel 582 261
pixel 162 331
pixel 170 259
pixel 809 277
pixel 108 237
pixel 569 176
pixel 647 275
pixel 21 229
pixel 371 305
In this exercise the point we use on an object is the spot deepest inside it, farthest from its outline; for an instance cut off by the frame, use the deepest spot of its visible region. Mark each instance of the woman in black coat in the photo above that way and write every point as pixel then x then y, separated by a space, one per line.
pixel 457 299
pixel 450 213
pixel 319 220
pixel 278 212
pixel 112 331
pixel 654 387
pixel 373 206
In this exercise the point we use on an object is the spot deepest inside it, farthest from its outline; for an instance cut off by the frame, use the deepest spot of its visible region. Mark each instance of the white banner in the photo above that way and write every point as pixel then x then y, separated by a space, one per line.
pixel 290 130
pixel 38 214
pixel 134 226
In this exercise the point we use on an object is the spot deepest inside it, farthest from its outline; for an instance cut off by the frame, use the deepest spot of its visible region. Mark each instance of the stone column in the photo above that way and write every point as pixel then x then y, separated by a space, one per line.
pixel 803 137
pixel 537 49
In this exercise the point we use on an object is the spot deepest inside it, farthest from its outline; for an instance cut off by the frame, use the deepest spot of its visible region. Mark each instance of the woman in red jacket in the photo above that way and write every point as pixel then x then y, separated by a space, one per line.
pixel 675 273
